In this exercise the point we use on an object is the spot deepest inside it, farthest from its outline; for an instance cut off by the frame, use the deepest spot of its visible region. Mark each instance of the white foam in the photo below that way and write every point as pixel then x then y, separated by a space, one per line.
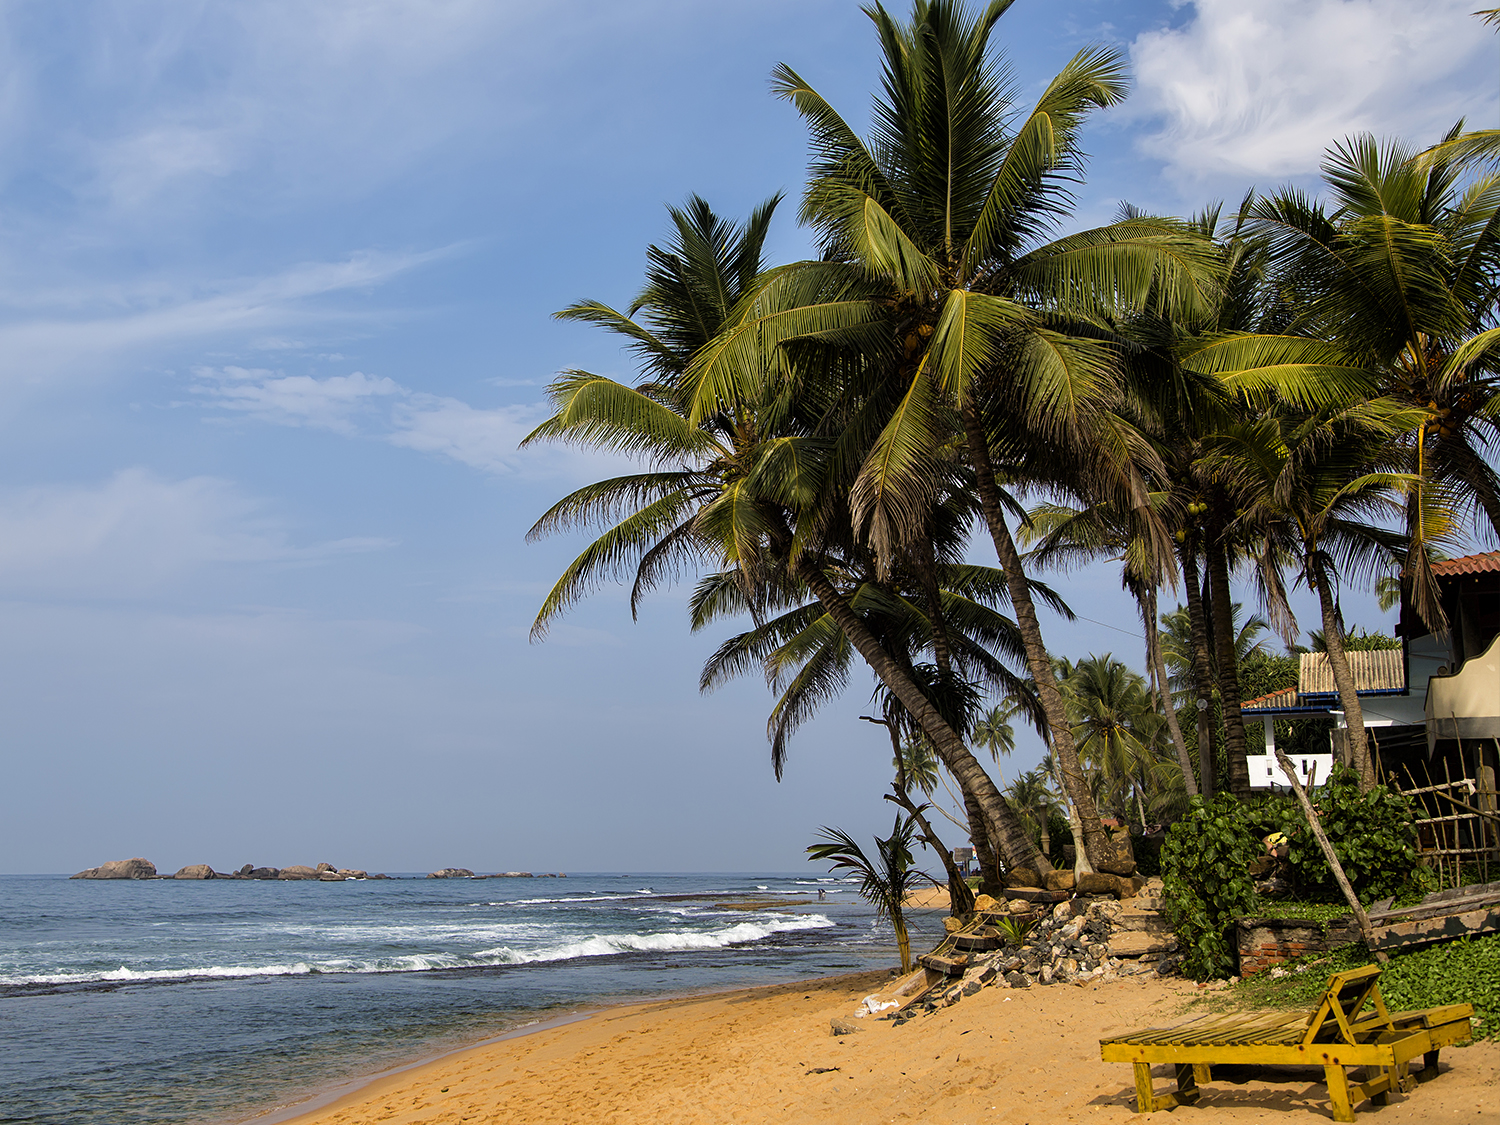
pixel 605 945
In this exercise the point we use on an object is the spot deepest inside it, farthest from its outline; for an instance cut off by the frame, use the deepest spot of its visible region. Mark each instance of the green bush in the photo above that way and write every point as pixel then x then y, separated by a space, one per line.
pixel 1371 833
pixel 1204 862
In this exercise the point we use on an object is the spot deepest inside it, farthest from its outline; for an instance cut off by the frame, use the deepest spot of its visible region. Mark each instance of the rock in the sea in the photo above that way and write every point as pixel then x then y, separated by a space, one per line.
pixel 245 871
pixel 327 867
pixel 196 871
pixel 452 873
pixel 264 872
pixel 298 871
pixel 136 868
pixel 352 873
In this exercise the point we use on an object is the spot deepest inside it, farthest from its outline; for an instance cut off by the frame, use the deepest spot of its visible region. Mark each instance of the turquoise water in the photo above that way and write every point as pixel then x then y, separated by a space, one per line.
pixel 165 1001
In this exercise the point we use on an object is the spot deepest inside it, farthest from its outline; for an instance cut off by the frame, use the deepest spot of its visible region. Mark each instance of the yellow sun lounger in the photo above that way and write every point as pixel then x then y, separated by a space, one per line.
pixel 1334 1036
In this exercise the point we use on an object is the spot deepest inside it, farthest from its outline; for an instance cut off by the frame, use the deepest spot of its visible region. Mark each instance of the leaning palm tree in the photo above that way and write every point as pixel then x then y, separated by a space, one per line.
pixel 884 882
pixel 940 273
pixel 745 488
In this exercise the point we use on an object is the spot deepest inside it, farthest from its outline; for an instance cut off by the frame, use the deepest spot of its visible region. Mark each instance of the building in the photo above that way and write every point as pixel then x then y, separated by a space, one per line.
pixel 1431 709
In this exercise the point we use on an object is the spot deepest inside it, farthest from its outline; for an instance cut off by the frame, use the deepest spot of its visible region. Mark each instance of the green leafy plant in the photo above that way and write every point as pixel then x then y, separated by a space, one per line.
pixel 1204 866
pixel 1014 928
pixel 886 881
pixel 1371 833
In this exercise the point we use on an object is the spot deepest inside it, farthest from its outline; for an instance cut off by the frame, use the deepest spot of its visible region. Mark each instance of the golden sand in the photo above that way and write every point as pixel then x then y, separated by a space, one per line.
pixel 767 1055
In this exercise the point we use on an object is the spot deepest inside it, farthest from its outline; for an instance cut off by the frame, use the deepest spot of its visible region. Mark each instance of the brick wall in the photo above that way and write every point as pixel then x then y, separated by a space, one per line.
pixel 1264 942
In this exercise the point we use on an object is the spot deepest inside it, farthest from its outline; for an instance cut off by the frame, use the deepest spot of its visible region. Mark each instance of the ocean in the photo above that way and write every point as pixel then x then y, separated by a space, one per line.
pixel 137 1003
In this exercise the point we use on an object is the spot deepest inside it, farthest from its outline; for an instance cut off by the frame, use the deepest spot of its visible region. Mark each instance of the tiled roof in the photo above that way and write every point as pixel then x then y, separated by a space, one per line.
pixel 1469 564
pixel 1286 697
pixel 1378 670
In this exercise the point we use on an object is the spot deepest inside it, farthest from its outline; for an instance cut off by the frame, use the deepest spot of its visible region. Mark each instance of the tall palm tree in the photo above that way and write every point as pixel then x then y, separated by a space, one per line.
pixel 1321 485
pixel 1401 268
pixel 1116 727
pixel 1031 796
pixel 748 489
pixel 939 271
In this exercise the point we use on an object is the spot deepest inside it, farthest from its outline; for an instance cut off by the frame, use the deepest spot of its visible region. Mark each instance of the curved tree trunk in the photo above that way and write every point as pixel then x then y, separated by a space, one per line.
pixel 1004 829
pixel 1203 679
pixel 960 897
pixel 1101 849
pixel 1343 676
pixel 990 881
pixel 1081 864
pixel 1159 675
pixel 1229 683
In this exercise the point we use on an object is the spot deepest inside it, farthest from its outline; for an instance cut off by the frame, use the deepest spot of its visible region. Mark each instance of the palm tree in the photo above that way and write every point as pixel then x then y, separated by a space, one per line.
pixel 1402 273
pixel 1115 725
pixel 747 492
pixel 1032 798
pixel 1321 484
pixel 885 882
pixel 938 273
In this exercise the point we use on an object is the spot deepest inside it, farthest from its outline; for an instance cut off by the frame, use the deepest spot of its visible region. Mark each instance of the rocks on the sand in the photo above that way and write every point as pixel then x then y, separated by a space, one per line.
pixel 298 871
pixel 1058 880
pixel 986 904
pixel 1134 943
pixel 196 871
pixel 136 868
pixel 952 925
pixel 452 873
pixel 842 1027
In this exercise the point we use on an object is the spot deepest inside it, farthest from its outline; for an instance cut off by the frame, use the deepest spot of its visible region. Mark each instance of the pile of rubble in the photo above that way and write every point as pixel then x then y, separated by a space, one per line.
pixel 1076 941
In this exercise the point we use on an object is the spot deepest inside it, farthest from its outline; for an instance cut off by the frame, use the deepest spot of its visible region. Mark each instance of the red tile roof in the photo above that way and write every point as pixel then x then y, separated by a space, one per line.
pixel 1469 564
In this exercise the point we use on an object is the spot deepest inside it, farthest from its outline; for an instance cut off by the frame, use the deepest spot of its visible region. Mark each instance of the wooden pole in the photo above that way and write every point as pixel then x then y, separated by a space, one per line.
pixel 1360 917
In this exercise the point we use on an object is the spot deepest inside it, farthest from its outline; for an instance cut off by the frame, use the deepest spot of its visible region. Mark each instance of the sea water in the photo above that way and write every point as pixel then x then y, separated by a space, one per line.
pixel 134 1003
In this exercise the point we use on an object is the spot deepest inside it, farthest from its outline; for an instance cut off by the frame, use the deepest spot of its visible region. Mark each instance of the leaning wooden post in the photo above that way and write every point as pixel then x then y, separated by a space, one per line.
pixel 1360 917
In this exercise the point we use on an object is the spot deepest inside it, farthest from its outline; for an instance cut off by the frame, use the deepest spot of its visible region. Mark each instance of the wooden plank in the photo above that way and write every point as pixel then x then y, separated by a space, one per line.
pixel 1036 894
pixel 1421 932
pixel 1436 909
pixel 949 966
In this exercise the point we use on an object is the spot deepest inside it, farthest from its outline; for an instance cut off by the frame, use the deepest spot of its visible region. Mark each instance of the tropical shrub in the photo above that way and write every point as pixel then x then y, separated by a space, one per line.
pixel 1371 833
pixel 1204 868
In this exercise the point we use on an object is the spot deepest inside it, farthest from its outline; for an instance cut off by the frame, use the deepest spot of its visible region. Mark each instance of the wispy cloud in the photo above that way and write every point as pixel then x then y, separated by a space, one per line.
pixel 295 400
pixel 81 330
pixel 137 532
pixel 1258 88
pixel 487 439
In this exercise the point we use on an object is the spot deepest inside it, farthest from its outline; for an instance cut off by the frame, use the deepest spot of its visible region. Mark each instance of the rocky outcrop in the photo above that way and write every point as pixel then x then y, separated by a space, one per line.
pixel 452 873
pixel 298 871
pixel 136 868
pixel 196 871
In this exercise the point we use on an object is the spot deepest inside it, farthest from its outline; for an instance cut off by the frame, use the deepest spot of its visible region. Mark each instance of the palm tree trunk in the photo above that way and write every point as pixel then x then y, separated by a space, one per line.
pixel 1100 848
pixel 990 881
pixel 960 898
pixel 1159 675
pixel 1003 828
pixel 1202 674
pixel 1338 661
pixel 1081 864
pixel 1046 833
pixel 1229 683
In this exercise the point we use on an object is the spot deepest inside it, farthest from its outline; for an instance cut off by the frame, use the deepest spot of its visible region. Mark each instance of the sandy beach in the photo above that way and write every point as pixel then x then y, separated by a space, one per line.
pixel 768 1055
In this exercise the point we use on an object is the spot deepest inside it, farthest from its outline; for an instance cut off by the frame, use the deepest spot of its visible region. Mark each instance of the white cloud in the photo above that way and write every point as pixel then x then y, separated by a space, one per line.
pixel 295 400
pixel 482 439
pixel 137 532
pixel 1259 88
pixel 71 331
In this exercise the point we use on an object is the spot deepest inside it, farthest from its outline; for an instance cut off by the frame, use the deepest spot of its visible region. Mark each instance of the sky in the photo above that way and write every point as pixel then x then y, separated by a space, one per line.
pixel 276 285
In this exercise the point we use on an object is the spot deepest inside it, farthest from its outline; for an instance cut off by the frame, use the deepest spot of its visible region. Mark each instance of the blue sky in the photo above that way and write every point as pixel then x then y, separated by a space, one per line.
pixel 275 293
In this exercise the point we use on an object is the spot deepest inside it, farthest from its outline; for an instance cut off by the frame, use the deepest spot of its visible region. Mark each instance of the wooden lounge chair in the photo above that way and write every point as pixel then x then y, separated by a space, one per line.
pixel 1334 1036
